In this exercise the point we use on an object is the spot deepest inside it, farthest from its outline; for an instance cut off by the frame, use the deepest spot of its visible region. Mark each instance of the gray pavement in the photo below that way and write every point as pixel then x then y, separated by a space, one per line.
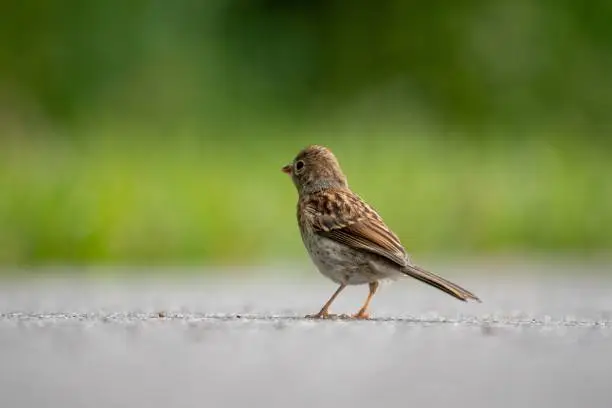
pixel 188 342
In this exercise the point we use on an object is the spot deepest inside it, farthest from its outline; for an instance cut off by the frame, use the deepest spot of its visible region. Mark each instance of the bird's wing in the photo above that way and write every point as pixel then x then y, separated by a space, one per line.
pixel 344 217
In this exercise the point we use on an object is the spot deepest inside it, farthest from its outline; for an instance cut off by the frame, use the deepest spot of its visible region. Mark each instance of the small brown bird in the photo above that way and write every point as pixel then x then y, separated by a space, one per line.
pixel 345 237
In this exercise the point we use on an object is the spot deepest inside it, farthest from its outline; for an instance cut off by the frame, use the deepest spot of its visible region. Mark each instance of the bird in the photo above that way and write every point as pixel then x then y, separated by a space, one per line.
pixel 346 239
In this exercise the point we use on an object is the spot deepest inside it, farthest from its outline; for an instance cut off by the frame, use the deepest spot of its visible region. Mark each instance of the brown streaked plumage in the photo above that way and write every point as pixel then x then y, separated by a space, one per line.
pixel 346 238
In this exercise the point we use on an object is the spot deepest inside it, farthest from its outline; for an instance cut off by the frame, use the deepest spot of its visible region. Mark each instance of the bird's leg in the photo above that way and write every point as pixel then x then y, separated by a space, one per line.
pixel 324 313
pixel 363 312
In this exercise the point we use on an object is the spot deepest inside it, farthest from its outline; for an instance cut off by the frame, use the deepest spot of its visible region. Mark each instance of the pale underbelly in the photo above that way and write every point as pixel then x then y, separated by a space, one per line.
pixel 345 265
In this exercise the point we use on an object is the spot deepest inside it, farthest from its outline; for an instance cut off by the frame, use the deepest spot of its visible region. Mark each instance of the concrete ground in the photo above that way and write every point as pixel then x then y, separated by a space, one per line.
pixel 189 342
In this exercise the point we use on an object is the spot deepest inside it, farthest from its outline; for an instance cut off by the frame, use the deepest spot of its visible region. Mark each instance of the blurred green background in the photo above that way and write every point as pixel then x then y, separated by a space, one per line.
pixel 153 132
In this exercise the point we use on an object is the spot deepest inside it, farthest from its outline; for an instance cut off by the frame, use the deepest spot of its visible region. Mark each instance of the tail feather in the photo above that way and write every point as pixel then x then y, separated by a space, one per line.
pixel 440 283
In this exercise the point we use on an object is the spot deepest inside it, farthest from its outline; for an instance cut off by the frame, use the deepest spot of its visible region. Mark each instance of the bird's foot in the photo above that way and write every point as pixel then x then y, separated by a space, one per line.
pixel 326 315
pixel 321 315
pixel 361 315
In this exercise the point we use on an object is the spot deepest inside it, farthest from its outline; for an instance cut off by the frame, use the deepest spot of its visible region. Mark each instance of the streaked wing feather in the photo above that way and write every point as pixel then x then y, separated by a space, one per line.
pixel 361 236
pixel 342 216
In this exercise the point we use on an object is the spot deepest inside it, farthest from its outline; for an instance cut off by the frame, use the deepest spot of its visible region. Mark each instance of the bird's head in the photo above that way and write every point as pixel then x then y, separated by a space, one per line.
pixel 315 168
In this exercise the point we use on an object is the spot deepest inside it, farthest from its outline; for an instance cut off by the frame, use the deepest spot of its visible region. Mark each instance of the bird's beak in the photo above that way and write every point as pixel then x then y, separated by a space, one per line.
pixel 287 169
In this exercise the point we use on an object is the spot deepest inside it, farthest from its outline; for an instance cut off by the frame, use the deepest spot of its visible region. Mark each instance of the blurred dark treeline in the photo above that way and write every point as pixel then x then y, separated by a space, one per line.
pixel 472 65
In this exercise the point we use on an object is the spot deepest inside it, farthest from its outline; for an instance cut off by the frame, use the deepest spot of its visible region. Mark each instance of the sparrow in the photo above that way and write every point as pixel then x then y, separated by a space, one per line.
pixel 345 238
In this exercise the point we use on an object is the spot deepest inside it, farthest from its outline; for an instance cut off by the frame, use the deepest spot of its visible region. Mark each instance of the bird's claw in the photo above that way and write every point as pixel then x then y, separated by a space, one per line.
pixel 361 316
pixel 320 315
pixel 343 316
pixel 328 316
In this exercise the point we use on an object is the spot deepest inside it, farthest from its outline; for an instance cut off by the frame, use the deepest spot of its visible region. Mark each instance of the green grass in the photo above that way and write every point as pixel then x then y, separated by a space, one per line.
pixel 117 196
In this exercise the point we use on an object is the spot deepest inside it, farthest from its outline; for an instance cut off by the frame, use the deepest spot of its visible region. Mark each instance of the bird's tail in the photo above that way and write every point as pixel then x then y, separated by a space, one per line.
pixel 439 282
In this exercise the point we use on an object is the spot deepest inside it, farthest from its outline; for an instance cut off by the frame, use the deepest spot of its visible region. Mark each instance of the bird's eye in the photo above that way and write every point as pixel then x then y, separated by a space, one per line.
pixel 299 165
